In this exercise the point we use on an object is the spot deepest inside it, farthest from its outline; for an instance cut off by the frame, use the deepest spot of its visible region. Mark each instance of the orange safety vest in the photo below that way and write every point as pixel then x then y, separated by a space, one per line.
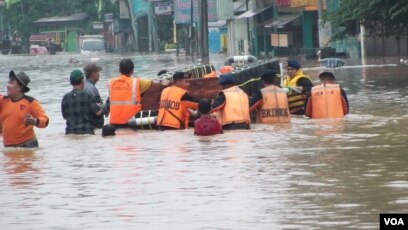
pixel 172 112
pixel 327 101
pixel 236 109
pixel 275 108
pixel 125 99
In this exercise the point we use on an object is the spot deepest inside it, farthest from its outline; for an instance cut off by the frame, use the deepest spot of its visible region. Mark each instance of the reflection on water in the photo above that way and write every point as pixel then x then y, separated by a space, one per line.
pixel 311 174
pixel 19 165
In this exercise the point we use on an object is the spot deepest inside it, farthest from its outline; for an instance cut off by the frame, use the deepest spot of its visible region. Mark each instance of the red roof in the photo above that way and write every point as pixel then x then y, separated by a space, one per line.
pixel 39 37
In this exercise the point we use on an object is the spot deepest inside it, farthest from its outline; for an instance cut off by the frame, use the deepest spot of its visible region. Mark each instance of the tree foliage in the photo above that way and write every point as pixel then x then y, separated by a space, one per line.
pixel 20 16
pixel 380 17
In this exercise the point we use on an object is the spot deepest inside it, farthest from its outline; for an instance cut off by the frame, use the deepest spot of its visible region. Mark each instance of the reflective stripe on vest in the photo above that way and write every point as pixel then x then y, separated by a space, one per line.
pixel 133 100
pixel 125 99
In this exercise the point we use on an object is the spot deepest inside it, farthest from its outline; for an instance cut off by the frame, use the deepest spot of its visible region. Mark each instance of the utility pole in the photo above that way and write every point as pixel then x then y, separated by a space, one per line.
pixel 247 22
pixel 204 32
pixel 362 44
pixel 191 31
pixel 319 21
pixel 2 5
pixel 133 23
pixel 150 27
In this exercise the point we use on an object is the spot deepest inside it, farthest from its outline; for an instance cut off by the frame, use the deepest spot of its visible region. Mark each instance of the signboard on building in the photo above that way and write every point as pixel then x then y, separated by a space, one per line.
pixel 97 25
pixel 182 11
pixel 163 8
pixel 275 39
pixel 295 3
pixel 279 40
pixel 302 3
pixel 108 17
pixel 282 3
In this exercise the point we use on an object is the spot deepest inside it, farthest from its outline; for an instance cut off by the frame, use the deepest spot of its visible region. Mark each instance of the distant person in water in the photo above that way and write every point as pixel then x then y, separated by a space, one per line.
pixel 231 105
pixel 206 125
pixel 327 100
pixel 125 94
pixel 79 108
pixel 91 71
pixel 270 102
pixel 298 86
pixel 174 104
pixel 19 113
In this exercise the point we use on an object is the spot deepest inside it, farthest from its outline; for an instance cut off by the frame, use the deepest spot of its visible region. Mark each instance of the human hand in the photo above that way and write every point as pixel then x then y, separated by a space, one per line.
pixel 286 89
pixel 30 120
pixel 193 112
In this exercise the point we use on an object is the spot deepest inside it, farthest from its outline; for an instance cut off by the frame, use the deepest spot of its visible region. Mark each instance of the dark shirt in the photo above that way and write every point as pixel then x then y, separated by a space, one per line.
pixel 256 98
pixel 219 102
pixel 79 109
pixel 91 89
pixel 188 97
pixel 207 125
pixel 344 95
pixel 306 84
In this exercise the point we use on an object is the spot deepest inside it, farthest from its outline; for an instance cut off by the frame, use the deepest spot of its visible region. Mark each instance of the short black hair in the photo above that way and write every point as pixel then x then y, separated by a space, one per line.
pixel 179 75
pixel 126 66
pixel 204 106
pixel 268 76
pixel 326 75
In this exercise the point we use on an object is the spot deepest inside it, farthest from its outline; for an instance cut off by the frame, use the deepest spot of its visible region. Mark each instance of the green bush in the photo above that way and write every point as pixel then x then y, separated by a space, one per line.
pixel 171 46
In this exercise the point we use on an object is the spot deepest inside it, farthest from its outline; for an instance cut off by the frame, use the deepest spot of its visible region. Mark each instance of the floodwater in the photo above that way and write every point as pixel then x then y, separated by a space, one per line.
pixel 314 174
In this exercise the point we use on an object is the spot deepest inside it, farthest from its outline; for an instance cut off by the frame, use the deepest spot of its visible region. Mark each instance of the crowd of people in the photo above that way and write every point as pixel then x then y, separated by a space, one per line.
pixel 84 110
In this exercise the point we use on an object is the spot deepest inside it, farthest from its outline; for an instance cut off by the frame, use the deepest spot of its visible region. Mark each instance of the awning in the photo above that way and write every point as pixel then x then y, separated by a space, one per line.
pixel 282 20
pixel 79 17
pixel 39 38
pixel 219 23
pixel 251 12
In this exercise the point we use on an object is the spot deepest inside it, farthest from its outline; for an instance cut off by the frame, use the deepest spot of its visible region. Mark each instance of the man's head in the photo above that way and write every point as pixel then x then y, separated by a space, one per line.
pixel 292 67
pixel 126 66
pixel 91 71
pixel 181 79
pixel 226 81
pixel 204 106
pixel 268 77
pixel 327 77
pixel 76 78
pixel 22 80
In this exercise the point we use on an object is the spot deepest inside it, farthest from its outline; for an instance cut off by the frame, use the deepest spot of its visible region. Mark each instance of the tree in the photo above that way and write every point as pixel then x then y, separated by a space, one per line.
pixel 21 14
pixel 380 17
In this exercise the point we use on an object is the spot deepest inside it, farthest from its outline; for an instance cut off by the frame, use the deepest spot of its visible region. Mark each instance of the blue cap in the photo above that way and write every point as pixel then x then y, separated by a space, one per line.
pixel 226 79
pixel 294 64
